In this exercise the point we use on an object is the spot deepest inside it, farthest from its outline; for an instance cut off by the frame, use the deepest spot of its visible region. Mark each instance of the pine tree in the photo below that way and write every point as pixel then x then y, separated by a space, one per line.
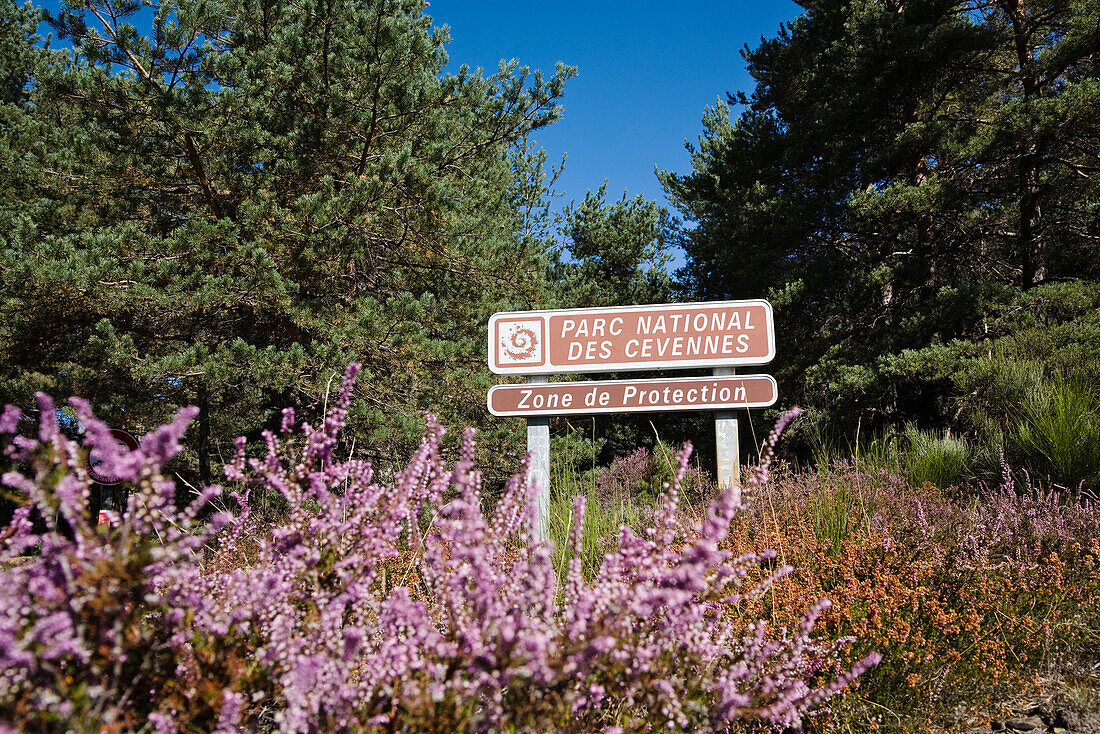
pixel 230 207
pixel 900 172
pixel 613 254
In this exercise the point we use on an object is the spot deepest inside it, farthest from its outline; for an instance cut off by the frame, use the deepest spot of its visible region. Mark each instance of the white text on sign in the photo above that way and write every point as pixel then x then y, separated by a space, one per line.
pixel 632 396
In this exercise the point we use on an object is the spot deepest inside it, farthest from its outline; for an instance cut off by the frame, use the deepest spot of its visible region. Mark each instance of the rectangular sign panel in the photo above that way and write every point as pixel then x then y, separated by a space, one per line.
pixel 633 396
pixel 677 335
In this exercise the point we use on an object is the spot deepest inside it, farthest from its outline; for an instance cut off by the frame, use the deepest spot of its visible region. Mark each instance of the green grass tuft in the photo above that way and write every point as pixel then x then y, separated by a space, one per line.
pixel 1058 432
pixel 936 457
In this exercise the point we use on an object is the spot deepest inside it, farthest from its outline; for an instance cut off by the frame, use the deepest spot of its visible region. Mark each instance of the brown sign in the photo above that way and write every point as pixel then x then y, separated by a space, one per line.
pixel 678 335
pixel 633 396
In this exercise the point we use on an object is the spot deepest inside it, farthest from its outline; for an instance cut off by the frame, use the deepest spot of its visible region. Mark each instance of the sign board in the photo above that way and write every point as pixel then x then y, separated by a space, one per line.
pixel 633 396
pixel 670 336
pixel 122 437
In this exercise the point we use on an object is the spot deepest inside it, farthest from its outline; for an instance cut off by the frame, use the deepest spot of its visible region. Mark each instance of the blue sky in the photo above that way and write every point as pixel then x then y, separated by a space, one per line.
pixel 646 71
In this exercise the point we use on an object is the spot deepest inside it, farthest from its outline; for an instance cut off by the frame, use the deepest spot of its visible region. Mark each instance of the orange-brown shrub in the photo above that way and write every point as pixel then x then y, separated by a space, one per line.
pixel 961 594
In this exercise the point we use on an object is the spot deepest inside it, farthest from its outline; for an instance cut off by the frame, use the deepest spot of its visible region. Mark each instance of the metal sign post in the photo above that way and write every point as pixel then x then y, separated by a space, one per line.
pixel 538 473
pixel 727 440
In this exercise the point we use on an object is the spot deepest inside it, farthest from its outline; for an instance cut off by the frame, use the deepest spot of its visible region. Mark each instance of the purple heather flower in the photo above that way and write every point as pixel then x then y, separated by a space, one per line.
pixel 381 604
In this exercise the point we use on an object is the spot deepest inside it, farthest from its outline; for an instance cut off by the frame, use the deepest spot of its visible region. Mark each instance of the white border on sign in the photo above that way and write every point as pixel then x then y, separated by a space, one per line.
pixel 640 409
pixel 546 368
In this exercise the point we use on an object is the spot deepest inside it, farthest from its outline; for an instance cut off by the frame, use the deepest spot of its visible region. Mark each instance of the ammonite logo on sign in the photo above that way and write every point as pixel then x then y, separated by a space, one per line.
pixel 520 341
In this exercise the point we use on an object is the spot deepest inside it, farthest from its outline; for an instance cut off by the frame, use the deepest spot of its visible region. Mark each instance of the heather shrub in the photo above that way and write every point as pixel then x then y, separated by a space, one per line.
pixel 643 474
pixel 375 606
pixel 94 626
pixel 963 593
pixel 627 476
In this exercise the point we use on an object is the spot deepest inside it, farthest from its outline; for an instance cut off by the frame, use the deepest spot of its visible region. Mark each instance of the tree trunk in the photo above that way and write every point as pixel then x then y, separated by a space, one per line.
pixel 1033 266
pixel 204 436
pixel 1032 254
pixel 924 244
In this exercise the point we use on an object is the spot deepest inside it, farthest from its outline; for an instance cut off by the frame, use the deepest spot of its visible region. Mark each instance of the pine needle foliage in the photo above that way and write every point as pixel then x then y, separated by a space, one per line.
pixel 221 203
